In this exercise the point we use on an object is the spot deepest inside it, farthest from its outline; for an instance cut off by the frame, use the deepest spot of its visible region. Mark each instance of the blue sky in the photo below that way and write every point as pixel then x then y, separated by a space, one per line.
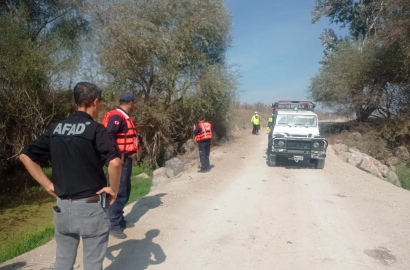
pixel 276 47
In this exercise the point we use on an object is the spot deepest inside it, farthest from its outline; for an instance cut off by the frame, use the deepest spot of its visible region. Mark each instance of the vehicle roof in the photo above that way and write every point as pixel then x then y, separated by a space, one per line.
pixel 301 112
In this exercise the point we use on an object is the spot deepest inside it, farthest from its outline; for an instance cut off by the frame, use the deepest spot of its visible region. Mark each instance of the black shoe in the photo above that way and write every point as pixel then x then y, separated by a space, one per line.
pixel 208 169
pixel 118 234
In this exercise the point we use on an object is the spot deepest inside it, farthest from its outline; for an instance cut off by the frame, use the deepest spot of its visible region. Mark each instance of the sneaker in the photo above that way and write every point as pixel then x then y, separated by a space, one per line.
pixel 118 234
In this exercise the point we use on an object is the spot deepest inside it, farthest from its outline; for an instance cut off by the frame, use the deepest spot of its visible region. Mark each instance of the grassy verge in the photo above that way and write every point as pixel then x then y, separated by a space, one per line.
pixel 403 172
pixel 29 225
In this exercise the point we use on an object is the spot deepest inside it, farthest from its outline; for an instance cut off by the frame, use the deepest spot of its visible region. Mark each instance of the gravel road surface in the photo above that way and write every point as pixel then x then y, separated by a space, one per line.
pixel 246 215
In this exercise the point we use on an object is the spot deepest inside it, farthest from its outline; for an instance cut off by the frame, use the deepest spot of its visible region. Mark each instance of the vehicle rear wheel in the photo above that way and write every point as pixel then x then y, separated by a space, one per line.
pixel 319 163
pixel 272 160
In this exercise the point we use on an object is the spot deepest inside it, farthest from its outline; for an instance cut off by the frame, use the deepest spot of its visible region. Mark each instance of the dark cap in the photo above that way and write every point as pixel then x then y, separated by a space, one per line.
pixel 127 97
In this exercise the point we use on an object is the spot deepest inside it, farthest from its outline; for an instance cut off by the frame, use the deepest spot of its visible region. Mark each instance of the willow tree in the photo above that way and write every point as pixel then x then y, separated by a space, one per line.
pixel 167 52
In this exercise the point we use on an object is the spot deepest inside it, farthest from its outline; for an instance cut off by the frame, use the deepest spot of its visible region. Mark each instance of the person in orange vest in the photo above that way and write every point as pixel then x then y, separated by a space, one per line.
pixel 122 130
pixel 203 135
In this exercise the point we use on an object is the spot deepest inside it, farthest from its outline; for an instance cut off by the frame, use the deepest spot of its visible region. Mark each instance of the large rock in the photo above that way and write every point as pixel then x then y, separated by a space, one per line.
pixel 189 146
pixel 345 156
pixel 175 164
pixel 401 152
pixel 194 154
pixel 354 151
pixel 392 161
pixel 159 180
pixel 357 136
pixel 367 165
pixel 392 178
pixel 169 172
pixel 340 148
pixel 160 171
pixel 142 175
pixel 355 159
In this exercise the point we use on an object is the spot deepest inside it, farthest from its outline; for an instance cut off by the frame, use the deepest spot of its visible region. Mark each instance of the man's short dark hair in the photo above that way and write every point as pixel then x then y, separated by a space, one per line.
pixel 201 118
pixel 85 93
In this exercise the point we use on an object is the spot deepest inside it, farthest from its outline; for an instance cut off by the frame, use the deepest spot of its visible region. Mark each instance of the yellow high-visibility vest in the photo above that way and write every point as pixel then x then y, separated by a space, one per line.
pixel 255 120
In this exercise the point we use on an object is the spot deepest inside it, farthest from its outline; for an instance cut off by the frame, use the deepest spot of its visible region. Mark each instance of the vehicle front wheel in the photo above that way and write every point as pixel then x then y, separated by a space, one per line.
pixel 272 160
pixel 319 163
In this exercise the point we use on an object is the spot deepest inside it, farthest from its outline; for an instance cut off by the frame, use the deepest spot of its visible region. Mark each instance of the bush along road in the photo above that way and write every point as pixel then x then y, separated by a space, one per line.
pixel 246 215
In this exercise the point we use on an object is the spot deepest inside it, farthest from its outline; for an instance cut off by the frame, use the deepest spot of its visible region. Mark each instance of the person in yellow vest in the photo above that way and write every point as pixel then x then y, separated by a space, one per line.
pixel 270 122
pixel 203 135
pixel 256 123
pixel 122 130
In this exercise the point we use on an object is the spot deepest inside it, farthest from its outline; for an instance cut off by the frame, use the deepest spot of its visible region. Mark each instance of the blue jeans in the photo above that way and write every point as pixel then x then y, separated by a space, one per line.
pixel 80 219
pixel 116 210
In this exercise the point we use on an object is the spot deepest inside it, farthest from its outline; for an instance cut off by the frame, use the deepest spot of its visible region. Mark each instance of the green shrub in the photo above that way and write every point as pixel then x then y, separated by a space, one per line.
pixel 403 172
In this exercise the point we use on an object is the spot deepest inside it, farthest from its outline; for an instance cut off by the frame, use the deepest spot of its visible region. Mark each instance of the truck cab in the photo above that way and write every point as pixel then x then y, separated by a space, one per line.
pixel 295 134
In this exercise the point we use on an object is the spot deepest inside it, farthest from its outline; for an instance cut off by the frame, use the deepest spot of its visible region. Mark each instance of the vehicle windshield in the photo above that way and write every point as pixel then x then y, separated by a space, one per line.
pixel 297 120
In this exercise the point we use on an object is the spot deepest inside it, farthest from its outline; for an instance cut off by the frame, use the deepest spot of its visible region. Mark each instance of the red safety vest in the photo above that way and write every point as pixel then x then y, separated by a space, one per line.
pixel 127 142
pixel 206 132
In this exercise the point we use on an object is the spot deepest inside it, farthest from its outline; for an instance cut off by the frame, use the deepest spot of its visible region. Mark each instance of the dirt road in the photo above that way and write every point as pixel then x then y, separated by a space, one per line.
pixel 246 215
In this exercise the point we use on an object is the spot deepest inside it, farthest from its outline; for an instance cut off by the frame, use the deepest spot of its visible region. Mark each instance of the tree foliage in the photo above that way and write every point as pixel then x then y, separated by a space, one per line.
pixel 171 54
pixel 367 73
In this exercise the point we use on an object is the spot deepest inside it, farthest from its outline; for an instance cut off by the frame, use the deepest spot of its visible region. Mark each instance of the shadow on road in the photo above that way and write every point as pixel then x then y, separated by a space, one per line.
pixel 136 254
pixel 143 205
pixel 19 265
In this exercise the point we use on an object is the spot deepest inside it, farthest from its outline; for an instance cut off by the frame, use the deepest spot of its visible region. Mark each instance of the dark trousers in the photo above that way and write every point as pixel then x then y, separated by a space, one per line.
pixel 255 129
pixel 116 210
pixel 204 151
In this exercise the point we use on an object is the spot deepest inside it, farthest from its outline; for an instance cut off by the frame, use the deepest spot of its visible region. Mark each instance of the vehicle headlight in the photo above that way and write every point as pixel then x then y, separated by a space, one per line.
pixel 316 145
pixel 281 143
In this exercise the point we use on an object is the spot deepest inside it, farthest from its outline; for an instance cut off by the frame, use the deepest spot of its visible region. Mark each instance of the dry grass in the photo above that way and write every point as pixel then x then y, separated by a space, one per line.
pixel 241 115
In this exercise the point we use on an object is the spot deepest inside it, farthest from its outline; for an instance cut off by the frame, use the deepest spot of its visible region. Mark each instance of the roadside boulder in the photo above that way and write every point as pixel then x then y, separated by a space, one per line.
pixel 175 164
pixel 401 152
pixel 392 178
pixel 392 161
pixel 383 169
pixel 142 175
pixel 345 156
pixel 367 165
pixel 355 159
pixel 159 180
pixel 340 148
pixel 160 171
pixel 169 172
pixel 189 146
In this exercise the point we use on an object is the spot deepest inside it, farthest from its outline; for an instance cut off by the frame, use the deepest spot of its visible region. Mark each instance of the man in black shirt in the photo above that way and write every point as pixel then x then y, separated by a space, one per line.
pixel 78 148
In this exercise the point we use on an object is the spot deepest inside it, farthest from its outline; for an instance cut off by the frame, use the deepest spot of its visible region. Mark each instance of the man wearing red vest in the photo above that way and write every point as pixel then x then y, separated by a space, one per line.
pixel 122 130
pixel 203 135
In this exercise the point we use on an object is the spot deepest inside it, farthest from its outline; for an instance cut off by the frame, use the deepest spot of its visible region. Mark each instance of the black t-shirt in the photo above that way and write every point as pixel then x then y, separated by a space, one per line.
pixel 78 148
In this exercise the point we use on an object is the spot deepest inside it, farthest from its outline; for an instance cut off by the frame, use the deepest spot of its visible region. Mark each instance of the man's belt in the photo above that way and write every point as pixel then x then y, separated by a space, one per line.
pixel 95 198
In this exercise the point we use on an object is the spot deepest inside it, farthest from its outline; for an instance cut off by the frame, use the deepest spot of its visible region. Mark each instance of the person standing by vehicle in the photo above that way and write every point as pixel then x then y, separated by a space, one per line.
pixel 122 130
pixel 256 123
pixel 78 147
pixel 270 122
pixel 203 135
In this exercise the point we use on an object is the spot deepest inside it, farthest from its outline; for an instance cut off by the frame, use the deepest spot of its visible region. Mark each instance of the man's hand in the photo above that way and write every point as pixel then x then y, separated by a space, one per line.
pixel 109 191
pixel 194 126
pixel 50 189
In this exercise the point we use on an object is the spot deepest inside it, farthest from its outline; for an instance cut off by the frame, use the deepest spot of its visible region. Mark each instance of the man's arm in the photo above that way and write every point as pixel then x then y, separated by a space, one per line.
pixel 197 130
pixel 110 156
pixel 34 152
pixel 38 174
pixel 114 174
pixel 113 126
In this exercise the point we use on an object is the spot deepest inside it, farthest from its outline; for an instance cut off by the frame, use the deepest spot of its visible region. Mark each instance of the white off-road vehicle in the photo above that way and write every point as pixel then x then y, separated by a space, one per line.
pixel 295 134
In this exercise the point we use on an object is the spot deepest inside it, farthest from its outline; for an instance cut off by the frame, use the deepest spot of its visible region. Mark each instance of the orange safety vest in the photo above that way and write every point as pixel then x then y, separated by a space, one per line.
pixel 127 142
pixel 206 132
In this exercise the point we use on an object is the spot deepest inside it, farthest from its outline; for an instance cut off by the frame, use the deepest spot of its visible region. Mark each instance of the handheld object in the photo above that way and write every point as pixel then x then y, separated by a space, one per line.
pixel 105 203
